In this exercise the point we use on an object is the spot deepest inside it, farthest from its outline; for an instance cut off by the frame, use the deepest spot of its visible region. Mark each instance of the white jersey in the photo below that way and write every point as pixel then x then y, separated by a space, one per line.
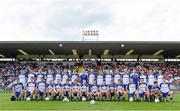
pixel 144 77
pixel 116 78
pixel 50 87
pixel 74 77
pixel 22 78
pixel 151 79
pixel 119 88
pixel 126 78
pixel 39 76
pixel 49 78
pixel 30 76
pixel 108 78
pixel 58 76
pixel 41 86
pixel 91 78
pixel 64 78
pixel 100 78
pixel 142 87
pixel 31 86
pixel 132 88
pixel 164 87
pixel 160 79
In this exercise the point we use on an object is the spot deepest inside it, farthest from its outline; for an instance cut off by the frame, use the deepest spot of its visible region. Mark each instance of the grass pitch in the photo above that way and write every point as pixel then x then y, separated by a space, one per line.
pixel 6 104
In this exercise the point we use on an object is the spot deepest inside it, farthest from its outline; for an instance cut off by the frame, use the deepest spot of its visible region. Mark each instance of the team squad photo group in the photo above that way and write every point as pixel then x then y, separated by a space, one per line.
pixel 64 85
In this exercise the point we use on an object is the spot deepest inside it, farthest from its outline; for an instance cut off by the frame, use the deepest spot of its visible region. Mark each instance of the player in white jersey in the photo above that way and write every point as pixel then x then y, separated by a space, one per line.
pixel 84 90
pixel 108 78
pixel 49 77
pixel 31 75
pixel 94 91
pixel 131 89
pixel 22 78
pixel 65 77
pixel 18 90
pixel 143 76
pixel 75 90
pixel 112 87
pixel 39 76
pixel 165 90
pixel 117 76
pixel 41 89
pixel 160 78
pixel 151 79
pixel 58 89
pixel 125 79
pixel 31 88
pixel 100 78
pixel 66 89
pixel 50 90
pixel 143 90
pixel 91 78
pixel 58 77
pixel 119 90
pixel 74 77
pixel 104 90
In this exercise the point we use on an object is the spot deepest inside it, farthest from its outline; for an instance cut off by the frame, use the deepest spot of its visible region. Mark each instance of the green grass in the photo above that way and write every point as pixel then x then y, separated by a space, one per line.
pixel 6 104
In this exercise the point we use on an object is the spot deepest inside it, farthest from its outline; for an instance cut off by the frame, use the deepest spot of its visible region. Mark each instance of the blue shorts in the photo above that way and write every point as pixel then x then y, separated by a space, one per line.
pixel 142 94
pixel 28 94
pixel 41 93
pixel 75 93
pixel 132 94
pixel 125 86
pixel 165 94
pixel 17 94
pixel 84 94
pixel 66 93
pixel 150 86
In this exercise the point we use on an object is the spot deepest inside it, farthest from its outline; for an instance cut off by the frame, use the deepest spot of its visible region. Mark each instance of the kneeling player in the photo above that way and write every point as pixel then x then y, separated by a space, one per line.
pixel 94 91
pixel 31 88
pixel 120 90
pixel 59 89
pixel 132 91
pixel 165 90
pixel 18 89
pixel 75 90
pixel 84 90
pixel 51 90
pixel 66 90
pixel 104 89
pixel 41 88
pixel 112 90
pixel 155 91
pixel 143 90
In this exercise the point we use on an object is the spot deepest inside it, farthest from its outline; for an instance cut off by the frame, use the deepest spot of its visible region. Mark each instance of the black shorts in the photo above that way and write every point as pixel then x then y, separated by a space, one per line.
pixel 112 94
pixel 75 93
pixel 66 93
pixel 84 94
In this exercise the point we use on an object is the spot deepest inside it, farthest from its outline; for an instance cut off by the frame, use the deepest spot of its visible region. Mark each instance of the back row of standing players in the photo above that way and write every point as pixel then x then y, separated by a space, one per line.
pixel 90 85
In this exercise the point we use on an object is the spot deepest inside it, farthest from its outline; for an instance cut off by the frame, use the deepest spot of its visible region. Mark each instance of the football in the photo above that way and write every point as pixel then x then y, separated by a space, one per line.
pixel 28 98
pixel 92 102
pixel 131 99
pixel 83 99
pixel 47 98
pixel 156 100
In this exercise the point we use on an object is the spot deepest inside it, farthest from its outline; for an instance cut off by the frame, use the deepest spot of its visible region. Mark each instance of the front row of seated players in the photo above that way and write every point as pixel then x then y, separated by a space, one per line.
pixel 76 91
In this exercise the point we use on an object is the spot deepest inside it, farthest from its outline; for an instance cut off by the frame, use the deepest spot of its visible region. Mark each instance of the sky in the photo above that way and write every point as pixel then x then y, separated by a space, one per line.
pixel 64 20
